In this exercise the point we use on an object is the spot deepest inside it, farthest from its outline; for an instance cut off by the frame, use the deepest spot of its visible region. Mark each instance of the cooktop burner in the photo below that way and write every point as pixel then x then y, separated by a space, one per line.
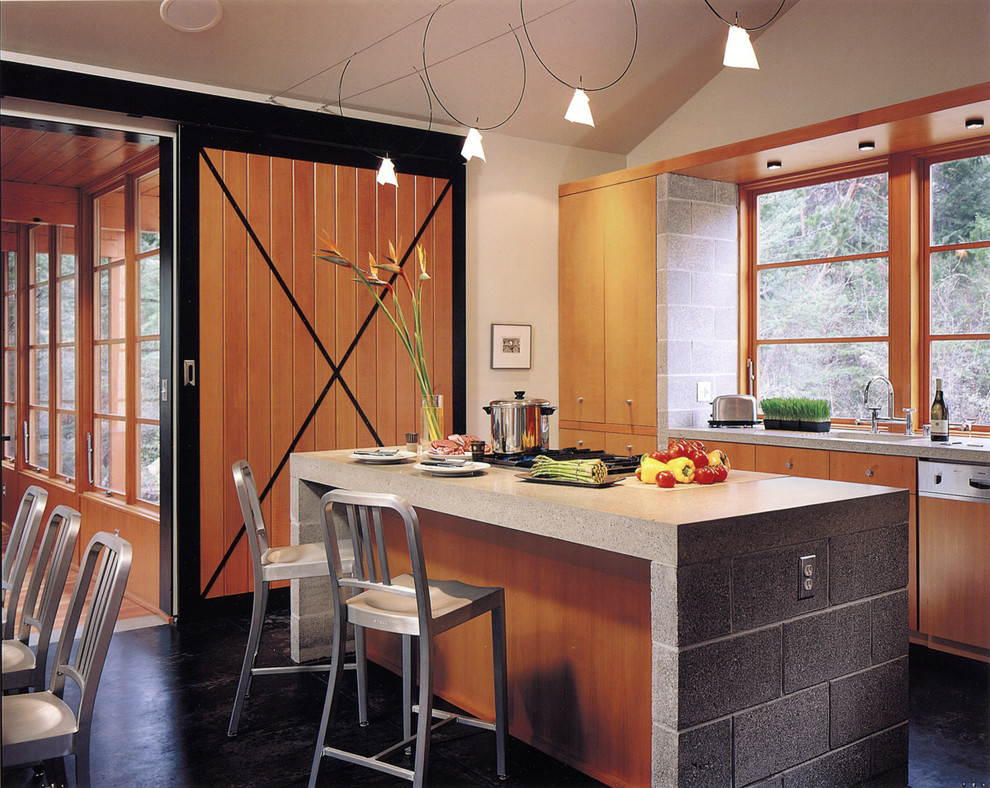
pixel 617 464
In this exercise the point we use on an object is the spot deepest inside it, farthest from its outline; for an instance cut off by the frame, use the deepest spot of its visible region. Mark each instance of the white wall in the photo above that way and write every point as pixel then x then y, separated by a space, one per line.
pixel 512 262
pixel 826 59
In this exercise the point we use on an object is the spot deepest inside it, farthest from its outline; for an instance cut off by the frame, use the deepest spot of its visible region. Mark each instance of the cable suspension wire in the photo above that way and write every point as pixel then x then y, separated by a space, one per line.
pixel 736 23
pixel 632 55
pixel 426 71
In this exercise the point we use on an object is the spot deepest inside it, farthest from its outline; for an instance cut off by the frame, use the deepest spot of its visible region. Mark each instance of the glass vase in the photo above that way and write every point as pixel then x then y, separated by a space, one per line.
pixel 431 427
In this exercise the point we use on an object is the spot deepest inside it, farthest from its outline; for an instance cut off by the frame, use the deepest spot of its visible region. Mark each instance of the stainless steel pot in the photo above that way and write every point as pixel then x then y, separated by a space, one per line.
pixel 520 424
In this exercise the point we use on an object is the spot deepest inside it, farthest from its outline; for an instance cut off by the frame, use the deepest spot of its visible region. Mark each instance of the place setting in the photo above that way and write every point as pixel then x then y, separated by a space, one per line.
pixel 382 456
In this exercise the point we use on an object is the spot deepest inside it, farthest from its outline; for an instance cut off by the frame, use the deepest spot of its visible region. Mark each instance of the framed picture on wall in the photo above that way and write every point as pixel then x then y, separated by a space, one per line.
pixel 512 346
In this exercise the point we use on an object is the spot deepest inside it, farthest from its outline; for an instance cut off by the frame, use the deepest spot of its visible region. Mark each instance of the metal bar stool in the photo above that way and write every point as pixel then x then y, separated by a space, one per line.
pixel 281 563
pixel 23 667
pixel 411 606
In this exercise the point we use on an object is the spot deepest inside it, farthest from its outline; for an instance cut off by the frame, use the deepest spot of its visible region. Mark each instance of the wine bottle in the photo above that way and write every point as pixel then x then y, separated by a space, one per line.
pixel 940 414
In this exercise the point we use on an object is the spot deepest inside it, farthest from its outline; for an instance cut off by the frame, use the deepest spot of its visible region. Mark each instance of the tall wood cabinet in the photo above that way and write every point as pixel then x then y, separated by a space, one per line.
pixel 608 317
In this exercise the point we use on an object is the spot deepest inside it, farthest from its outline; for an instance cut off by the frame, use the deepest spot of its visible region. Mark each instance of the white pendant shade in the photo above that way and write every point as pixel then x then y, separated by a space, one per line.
pixel 739 51
pixel 386 173
pixel 579 110
pixel 472 146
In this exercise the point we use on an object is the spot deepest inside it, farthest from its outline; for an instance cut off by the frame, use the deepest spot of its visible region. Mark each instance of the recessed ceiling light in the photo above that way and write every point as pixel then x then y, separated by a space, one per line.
pixel 867 145
pixel 774 165
pixel 974 123
pixel 191 16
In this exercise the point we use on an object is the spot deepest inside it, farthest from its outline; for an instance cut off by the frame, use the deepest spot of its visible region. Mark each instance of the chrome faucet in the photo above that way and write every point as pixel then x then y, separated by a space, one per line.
pixel 875 419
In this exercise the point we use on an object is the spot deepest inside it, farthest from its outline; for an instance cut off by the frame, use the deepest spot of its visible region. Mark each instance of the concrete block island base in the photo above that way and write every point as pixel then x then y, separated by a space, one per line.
pixel 658 637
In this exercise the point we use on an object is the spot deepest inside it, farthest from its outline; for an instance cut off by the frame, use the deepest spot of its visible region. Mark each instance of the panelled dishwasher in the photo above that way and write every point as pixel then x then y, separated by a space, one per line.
pixel 954 555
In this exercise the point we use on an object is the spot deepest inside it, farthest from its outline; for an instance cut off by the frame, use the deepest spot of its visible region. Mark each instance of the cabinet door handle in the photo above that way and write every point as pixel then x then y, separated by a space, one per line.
pixel 580 399
pixel 628 447
pixel 629 402
pixel 580 443
pixel 788 464
pixel 869 472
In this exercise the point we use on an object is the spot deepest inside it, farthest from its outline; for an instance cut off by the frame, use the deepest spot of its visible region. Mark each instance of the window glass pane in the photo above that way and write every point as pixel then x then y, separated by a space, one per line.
pixel 39 377
pixel 825 220
pixel 67 250
pixel 150 296
pixel 149 380
pixel 110 217
pixel 112 383
pixel 67 377
pixel 836 371
pixel 11 281
pixel 67 445
pixel 39 438
pixel 40 248
pixel 11 310
pixel 960 201
pixel 110 452
pixel 960 291
pixel 150 463
pixel 964 366
pixel 10 376
pixel 148 191
pixel 111 309
pixel 67 310
pixel 824 300
pixel 38 309
pixel 9 417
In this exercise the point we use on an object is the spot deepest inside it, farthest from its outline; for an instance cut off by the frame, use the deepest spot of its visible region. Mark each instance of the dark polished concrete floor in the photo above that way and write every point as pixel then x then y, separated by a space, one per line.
pixel 166 693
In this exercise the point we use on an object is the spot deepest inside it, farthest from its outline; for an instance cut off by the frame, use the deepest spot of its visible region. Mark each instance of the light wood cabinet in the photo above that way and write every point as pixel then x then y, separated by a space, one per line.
pixel 792 462
pixel 882 469
pixel 622 444
pixel 954 584
pixel 607 308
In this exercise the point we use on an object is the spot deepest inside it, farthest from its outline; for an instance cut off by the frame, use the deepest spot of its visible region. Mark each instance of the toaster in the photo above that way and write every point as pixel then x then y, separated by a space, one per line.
pixel 733 410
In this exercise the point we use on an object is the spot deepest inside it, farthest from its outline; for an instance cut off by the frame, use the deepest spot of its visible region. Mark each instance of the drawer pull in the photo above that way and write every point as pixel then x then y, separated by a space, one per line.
pixel 580 443
pixel 869 472
pixel 788 464
pixel 629 402
pixel 629 447
pixel 580 399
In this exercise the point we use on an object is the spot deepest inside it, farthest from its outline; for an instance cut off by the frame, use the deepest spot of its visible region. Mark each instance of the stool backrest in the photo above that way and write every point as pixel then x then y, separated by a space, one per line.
pixel 94 606
pixel 254 520
pixel 17 556
pixel 365 525
pixel 47 584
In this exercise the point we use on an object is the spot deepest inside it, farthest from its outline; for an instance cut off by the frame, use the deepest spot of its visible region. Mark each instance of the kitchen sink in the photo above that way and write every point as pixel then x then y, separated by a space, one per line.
pixel 874 437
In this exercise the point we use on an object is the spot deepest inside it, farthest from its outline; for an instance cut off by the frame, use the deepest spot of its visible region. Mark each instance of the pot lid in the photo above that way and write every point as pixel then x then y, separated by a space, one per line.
pixel 520 401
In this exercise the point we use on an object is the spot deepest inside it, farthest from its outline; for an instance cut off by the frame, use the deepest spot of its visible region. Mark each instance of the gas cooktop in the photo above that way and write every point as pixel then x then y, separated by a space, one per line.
pixel 617 465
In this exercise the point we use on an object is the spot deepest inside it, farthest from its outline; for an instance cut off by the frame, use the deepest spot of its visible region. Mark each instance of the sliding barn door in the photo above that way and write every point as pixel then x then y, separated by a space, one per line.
pixel 293 355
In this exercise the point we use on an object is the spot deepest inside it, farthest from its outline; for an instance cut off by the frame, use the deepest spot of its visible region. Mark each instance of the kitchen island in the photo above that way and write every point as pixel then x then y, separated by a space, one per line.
pixel 656 637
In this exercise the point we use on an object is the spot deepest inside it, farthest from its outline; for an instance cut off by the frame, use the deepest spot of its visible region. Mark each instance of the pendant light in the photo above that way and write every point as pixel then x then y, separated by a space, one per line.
pixel 579 110
pixel 739 52
pixel 386 173
pixel 472 146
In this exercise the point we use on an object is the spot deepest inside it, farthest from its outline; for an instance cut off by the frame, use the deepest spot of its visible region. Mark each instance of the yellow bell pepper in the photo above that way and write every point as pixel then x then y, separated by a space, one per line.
pixel 682 468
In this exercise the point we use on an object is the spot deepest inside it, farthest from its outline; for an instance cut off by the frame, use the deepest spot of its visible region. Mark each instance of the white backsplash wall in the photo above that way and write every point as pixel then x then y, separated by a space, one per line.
pixel 697 296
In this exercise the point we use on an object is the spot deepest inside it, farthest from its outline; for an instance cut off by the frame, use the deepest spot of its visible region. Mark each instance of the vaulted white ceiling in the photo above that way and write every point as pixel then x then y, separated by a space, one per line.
pixel 297 50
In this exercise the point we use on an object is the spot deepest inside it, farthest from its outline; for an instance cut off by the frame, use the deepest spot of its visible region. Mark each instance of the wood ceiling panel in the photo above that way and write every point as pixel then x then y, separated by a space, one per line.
pixel 54 158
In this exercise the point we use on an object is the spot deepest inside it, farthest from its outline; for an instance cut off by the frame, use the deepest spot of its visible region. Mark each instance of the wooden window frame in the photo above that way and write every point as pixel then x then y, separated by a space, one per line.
pixel 909 250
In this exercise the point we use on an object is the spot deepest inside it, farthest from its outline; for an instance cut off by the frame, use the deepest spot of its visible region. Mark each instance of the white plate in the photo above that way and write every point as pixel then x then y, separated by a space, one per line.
pixel 399 456
pixel 449 456
pixel 454 470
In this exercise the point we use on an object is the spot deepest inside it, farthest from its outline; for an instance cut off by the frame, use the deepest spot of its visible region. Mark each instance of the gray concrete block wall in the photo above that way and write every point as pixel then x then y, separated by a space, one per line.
pixel 697 289
pixel 807 692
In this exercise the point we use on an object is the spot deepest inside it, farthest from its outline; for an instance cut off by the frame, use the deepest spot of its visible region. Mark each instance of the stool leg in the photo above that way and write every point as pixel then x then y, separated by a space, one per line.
pixel 425 719
pixel 250 655
pixel 501 688
pixel 361 659
pixel 330 703
pixel 407 687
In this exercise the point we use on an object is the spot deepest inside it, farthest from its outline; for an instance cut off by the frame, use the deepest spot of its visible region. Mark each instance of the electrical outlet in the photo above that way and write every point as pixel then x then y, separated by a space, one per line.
pixel 704 391
pixel 806 577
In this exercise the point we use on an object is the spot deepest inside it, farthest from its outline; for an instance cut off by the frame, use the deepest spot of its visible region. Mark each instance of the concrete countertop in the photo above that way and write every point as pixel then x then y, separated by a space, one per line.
pixel 960 448
pixel 689 523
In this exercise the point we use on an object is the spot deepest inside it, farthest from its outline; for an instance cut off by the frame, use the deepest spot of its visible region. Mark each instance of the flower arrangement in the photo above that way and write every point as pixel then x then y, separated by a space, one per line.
pixel 412 340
